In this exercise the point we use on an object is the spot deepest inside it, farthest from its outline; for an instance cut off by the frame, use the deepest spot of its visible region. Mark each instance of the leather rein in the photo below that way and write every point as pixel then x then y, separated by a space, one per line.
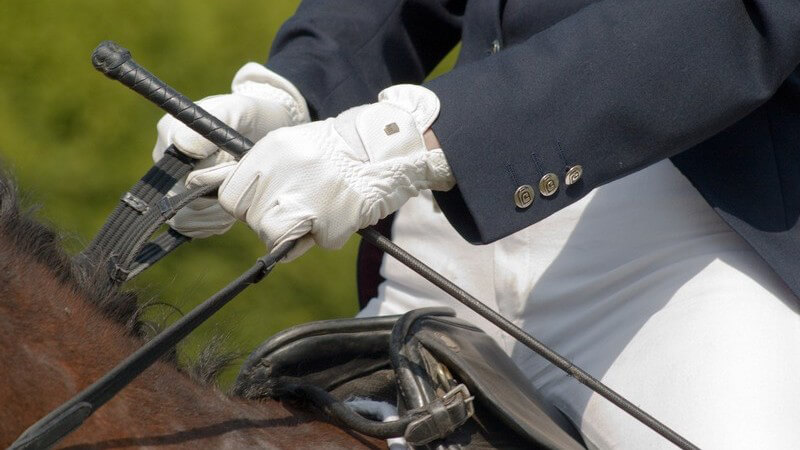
pixel 123 249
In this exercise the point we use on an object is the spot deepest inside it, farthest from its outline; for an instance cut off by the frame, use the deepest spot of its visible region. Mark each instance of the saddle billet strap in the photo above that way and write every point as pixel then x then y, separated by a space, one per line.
pixel 407 362
pixel 121 245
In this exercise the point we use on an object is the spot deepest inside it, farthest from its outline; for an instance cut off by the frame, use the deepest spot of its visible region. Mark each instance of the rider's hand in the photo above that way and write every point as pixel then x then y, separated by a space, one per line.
pixel 325 180
pixel 261 101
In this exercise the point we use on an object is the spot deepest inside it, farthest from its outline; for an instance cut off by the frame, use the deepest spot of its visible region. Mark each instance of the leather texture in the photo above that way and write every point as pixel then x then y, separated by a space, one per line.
pixel 476 360
pixel 116 63
pixel 400 355
pixel 326 353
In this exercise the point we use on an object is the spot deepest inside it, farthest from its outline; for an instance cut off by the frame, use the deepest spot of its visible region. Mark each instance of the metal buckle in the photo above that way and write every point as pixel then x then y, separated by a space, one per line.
pixel 465 394
pixel 441 417
pixel 135 202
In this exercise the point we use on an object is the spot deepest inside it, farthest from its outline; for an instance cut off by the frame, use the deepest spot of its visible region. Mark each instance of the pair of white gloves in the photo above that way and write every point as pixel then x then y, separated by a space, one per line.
pixel 307 181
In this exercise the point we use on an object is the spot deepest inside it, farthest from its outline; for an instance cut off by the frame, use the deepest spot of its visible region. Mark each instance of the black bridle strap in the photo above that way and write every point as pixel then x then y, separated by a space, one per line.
pixel 120 249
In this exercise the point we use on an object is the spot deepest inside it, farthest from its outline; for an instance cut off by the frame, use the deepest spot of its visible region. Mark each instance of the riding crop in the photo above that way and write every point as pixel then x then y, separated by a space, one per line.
pixel 116 63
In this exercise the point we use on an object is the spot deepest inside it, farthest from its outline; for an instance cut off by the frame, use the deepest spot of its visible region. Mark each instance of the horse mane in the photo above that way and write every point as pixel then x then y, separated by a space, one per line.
pixel 63 329
pixel 41 243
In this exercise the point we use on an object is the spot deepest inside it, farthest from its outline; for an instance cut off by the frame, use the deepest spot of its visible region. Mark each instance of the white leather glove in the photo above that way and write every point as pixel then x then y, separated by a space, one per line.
pixel 261 101
pixel 325 180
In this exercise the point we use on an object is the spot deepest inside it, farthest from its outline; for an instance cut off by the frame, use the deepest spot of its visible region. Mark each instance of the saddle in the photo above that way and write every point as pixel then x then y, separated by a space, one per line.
pixel 453 386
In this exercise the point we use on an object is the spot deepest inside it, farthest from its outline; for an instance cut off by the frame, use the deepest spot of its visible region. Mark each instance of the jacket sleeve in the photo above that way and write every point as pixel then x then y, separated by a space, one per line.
pixel 615 87
pixel 342 53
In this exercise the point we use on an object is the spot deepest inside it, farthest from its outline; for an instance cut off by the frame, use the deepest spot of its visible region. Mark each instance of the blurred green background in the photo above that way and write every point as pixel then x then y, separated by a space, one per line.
pixel 75 141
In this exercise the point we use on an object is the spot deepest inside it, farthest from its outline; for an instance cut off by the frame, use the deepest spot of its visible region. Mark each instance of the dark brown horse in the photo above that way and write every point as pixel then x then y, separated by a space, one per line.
pixel 58 335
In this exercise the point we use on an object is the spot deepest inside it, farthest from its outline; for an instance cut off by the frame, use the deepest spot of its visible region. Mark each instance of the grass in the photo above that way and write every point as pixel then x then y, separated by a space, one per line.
pixel 75 141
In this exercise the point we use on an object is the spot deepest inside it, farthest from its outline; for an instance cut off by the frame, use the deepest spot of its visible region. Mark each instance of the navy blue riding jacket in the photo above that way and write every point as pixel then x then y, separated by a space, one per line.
pixel 611 85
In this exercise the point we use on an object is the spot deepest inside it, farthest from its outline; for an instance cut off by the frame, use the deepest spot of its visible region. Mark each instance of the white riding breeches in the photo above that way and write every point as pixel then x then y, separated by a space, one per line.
pixel 642 285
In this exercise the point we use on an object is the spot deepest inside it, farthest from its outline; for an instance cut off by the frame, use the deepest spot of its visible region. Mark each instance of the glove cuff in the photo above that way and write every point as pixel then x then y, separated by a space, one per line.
pixel 255 80
pixel 420 102
pixel 423 105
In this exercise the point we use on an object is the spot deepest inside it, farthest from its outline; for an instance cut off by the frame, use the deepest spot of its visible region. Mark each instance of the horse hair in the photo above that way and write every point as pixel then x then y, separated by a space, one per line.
pixel 41 242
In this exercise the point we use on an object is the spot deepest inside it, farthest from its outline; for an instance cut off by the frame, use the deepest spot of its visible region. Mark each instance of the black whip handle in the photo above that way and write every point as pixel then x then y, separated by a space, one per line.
pixel 116 63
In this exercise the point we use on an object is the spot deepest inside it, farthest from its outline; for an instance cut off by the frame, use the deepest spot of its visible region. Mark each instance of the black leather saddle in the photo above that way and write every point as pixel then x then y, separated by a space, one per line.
pixel 452 384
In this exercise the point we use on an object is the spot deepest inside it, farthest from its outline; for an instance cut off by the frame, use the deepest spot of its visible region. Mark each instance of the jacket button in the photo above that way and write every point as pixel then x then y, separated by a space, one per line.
pixel 574 174
pixel 523 197
pixel 548 185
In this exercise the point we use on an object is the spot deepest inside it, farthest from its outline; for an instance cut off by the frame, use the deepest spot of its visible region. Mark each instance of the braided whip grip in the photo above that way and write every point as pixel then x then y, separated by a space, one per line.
pixel 116 63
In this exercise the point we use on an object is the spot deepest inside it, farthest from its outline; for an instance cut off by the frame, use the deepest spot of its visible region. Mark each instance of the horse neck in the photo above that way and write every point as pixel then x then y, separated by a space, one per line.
pixel 56 343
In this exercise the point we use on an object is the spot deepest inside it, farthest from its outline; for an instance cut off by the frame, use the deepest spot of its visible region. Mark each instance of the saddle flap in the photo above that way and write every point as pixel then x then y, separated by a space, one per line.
pixel 476 360
pixel 327 353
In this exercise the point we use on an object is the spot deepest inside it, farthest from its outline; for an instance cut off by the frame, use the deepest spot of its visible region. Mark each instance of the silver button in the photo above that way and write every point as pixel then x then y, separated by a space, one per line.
pixel 495 46
pixel 573 175
pixel 523 197
pixel 548 185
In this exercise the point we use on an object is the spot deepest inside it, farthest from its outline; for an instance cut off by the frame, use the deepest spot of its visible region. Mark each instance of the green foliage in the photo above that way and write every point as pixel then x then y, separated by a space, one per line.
pixel 76 140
